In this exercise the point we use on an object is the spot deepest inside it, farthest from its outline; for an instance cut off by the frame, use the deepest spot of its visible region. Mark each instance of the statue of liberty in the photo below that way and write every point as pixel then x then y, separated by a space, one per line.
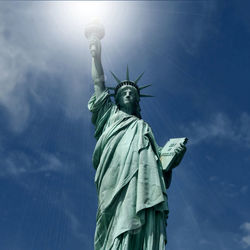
pixel 130 179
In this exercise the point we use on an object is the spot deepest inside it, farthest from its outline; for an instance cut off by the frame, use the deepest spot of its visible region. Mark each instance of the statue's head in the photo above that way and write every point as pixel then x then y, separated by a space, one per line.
pixel 127 94
pixel 128 98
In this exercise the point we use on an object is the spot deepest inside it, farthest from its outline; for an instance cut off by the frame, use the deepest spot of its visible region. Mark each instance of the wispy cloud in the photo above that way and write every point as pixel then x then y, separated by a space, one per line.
pixel 15 61
pixel 18 163
pixel 220 126
pixel 76 226
pixel 245 240
pixel 228 189
pixel 27 49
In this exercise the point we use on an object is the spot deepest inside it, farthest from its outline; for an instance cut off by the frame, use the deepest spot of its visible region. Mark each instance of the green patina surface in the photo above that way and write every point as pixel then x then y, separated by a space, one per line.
pixel 132 199
pixel 130 180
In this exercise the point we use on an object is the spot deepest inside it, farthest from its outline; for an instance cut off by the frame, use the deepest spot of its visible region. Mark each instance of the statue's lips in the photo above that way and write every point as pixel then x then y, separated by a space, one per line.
pixel 127 101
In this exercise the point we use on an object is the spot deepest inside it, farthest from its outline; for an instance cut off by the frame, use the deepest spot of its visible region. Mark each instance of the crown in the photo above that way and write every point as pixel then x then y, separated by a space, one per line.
pixel 128 82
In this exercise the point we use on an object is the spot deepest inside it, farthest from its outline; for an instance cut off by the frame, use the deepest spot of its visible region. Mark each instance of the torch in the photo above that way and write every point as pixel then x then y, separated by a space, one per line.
pixel 94 32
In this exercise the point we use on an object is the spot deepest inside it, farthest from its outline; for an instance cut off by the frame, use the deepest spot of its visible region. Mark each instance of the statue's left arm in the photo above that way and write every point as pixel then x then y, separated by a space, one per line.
pixel 180 151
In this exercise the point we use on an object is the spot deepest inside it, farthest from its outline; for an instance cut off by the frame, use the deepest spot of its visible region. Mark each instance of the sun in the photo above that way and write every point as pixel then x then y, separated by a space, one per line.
pixel 78 11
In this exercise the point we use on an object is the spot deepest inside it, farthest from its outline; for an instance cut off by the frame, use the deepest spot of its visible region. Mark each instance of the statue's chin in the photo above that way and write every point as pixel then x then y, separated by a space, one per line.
pixel 127 104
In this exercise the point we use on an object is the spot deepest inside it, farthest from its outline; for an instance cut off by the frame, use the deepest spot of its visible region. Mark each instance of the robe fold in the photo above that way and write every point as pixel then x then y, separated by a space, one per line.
pixel 132 199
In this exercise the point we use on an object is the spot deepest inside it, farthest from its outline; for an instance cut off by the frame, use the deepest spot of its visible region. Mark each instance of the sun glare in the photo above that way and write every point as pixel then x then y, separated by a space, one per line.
pixel 82 12
pixel 91 10
pixel 68 18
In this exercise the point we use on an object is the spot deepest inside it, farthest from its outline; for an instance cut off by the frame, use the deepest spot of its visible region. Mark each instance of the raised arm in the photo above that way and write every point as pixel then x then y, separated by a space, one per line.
pixel 94 32
pixel 97 69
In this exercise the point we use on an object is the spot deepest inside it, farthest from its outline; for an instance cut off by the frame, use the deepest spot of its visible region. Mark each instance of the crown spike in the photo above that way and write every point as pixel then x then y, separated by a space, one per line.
pixel 127 74
pixel 116 78
pixel 143 87
pixel 139 77
pixel 111 88
pixel 146 95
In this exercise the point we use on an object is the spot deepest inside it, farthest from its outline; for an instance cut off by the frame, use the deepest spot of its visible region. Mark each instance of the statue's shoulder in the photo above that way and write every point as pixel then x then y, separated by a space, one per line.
pixel 146 127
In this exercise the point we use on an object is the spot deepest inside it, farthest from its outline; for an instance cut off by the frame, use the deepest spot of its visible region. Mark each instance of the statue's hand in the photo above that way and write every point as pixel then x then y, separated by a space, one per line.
pixel 180 151
pixel 95 47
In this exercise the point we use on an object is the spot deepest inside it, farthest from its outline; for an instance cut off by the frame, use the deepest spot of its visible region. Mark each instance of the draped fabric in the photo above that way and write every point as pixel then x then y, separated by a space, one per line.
pixel 132 199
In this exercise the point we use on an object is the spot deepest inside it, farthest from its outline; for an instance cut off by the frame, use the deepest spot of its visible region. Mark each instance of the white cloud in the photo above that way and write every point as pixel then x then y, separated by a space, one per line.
pixel 53 163
pixel 30 44
pixel 205 242
pixel 245 240
pixel 220 126
pixel 76 225
pixel 227 189
pixel 18 163
pixel 213 178
pixel 15 61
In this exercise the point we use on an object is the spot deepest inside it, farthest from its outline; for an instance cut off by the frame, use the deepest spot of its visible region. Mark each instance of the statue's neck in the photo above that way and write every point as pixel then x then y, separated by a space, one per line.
pixel 127 110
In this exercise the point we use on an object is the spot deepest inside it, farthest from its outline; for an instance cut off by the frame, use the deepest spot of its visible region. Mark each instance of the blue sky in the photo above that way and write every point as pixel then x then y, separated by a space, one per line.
pixel 195 54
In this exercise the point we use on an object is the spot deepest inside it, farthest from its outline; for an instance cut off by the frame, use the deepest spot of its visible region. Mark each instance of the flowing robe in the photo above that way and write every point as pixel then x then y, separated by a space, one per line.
pixel 132 199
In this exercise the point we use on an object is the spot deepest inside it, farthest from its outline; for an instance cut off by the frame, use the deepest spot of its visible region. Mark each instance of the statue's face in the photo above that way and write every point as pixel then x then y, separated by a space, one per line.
pixel 127 97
